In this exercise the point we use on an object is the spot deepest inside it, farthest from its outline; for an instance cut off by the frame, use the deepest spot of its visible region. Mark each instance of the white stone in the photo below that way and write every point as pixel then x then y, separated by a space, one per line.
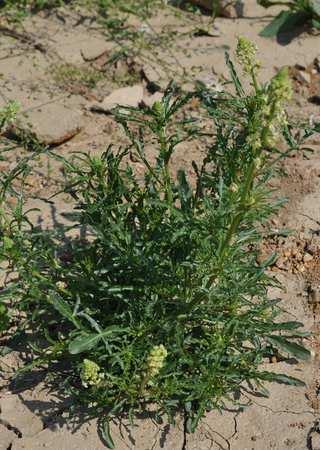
pixel 127 96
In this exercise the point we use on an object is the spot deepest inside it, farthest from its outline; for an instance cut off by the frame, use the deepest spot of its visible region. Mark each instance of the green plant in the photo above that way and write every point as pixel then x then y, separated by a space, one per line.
pixel 141 7
pixel 298 12
pixel 164 302
pixel 69 75
pixel 11 215
pixel 139 43
pixel 34 5
pixel 30 5
pixel 8 114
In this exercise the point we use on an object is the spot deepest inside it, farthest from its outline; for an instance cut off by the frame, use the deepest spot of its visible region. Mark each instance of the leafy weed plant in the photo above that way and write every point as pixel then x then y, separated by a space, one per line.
pixel 163 302
pixel 11 211
pixel 298 12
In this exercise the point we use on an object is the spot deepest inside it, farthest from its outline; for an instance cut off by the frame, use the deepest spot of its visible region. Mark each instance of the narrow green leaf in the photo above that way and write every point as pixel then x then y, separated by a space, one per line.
pixel 106 434
pixel 291 325
pixel 300 334
pixel 83 343
pixel 63 308
pixel 284 379
pixel 316 23
pixel 315 5
pixel 87 341
pixel 7 293
pixel 185 192
pixel 189 425
pixel 270 260
pixel 234 76
pixel 291 347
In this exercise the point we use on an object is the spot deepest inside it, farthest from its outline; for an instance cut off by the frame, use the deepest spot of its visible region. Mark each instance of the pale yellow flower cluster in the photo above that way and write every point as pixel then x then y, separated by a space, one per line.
pixel 90 373
pixel 269 116
pixel 61 285
pixel 246 53
pixel 280 88
pixel 279 91
pixel 155 360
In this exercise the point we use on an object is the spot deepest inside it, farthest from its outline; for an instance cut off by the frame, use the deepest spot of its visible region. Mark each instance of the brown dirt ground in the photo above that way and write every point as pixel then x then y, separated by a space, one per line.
pixel 32 416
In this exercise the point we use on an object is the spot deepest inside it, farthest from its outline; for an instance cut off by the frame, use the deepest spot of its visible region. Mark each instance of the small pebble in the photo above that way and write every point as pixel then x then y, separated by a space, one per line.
pixel 307 258
pixel 304 77
pixel 312 353
pixel 282 263
pixel 312 249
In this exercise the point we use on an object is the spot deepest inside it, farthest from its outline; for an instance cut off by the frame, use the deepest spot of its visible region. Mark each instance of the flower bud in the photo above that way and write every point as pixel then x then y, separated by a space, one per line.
pixel 158 109
pixel 258 163
pixel 234 187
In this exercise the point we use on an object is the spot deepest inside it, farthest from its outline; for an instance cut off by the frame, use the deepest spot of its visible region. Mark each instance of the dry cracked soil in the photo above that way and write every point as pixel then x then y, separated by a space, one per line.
pixel 57 65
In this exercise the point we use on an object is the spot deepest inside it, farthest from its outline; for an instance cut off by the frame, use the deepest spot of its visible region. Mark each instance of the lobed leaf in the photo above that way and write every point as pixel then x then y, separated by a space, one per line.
pixel 291 347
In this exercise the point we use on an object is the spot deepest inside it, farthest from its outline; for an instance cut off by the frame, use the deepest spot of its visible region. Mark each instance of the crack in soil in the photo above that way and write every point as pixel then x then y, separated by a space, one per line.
pixel 314 429
pixel 280 411
pixel 12 428
pixel 184 444
pixel 23 37
pixel 226 440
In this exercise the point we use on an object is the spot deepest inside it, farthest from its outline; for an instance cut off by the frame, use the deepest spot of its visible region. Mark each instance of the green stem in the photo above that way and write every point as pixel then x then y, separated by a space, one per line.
pixel 165 157
pixel 248 182
pixel 254 81
pixel 144 383
pixel 242 206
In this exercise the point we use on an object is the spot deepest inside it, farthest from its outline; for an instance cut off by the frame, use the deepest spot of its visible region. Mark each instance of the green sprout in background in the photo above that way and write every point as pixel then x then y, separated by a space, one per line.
pixel 297 13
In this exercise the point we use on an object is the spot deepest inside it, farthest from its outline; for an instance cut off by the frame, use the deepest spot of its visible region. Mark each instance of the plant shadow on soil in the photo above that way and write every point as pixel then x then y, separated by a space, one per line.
pixel 285 38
